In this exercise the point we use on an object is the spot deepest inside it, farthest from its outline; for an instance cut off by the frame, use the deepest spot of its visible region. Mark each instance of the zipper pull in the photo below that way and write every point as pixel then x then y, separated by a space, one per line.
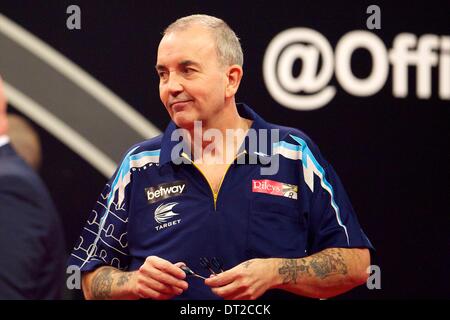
pixel 215 199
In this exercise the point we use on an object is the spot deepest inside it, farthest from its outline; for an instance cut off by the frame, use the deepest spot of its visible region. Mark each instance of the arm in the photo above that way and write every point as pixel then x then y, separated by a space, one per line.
pixel 155 279
pixel 23 229
pixel 108 283
pixel 325 274
pixel 321 275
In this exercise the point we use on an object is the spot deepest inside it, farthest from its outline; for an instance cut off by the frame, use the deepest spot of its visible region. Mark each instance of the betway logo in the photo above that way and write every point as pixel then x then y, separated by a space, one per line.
pixel 309 89
pixel 164 191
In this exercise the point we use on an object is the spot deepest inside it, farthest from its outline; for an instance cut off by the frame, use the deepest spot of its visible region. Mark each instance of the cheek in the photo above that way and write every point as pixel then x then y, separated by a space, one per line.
pixel 163 96
pixel 212 90
pixel 161 92
pixel 220 85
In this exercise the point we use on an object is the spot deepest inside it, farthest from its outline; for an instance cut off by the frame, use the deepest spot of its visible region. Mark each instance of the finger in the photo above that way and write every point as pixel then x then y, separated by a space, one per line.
pixel 232 289
pixel 161 276
pixel 240 293
pixel 145 293
pixel 180 264
pixel 239 296
pixel 159 287
pixel 222 279
pixel 166 266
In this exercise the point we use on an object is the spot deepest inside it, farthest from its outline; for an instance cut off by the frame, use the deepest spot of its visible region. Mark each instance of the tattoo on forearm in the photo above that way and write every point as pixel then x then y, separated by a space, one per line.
pixel 247 263
pixel 327 263
pixel 102 283
pixel 291 268
pixel 124 278
pixel 322 265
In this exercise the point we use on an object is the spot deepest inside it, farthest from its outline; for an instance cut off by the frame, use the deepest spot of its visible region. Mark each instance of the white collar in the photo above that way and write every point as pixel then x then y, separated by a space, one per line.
pixel 4 140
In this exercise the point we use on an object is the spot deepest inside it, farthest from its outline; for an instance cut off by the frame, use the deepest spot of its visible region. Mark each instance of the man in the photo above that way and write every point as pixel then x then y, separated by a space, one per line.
pixel 290 233
pixel 32 244
pixel 25 141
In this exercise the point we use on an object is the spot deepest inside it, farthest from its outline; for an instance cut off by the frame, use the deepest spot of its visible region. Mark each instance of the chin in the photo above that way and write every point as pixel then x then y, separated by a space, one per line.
pixel 183 121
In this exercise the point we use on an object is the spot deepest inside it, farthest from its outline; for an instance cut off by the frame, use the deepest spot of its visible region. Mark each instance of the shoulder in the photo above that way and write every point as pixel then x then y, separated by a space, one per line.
pixel 21 187
pixel 139 154
pixel 16 175
pixel 150 145
pixel 296 137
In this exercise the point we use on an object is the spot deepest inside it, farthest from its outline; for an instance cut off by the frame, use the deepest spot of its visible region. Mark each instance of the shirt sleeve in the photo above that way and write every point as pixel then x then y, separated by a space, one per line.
pixel 31 241
pixel 333 222
pixel 104 238
pixel 22 237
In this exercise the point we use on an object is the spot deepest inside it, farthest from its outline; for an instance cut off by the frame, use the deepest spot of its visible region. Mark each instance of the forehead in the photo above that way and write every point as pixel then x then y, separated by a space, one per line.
pixel 195 43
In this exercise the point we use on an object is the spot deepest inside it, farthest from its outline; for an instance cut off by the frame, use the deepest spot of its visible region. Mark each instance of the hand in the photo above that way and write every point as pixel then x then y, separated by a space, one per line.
pixel 247 281
pixel 159 279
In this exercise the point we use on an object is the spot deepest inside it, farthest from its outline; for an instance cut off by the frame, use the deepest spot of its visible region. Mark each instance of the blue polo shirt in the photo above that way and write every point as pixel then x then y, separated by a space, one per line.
pixel 280 198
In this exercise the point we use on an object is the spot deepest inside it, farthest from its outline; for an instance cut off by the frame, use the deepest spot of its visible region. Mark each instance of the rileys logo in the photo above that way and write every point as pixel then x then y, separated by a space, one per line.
pixel 163 213
pixel 275 188
pixel 164 191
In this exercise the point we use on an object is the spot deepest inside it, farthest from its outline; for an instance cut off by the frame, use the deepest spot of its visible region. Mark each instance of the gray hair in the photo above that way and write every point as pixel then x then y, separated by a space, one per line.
pixel 229 49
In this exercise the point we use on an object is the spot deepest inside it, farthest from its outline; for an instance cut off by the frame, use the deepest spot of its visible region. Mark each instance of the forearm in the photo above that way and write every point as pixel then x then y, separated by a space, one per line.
pixel 324 274
pixel 108 283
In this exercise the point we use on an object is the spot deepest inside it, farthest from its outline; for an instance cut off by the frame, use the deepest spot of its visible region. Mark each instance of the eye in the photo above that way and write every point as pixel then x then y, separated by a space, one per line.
pixel 162 74
pixel 189 70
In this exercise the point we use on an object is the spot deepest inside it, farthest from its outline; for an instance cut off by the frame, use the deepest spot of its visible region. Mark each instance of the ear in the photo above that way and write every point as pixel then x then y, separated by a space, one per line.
pixel 234 76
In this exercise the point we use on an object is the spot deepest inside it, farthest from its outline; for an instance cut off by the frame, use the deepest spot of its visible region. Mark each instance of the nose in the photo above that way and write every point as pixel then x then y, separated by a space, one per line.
pixel 174 85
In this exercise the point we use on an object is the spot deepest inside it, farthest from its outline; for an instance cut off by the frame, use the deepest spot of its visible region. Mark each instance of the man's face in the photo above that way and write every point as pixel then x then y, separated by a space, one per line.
pixel 192 81
pixel 3 119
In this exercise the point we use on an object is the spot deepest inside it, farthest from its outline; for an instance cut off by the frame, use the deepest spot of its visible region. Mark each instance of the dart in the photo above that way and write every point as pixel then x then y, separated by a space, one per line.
pixel 217 263
pixel 207 264
pixel 189 272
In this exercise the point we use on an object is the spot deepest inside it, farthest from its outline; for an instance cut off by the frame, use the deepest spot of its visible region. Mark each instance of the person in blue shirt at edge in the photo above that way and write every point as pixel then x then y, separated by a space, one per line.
pixel 289 234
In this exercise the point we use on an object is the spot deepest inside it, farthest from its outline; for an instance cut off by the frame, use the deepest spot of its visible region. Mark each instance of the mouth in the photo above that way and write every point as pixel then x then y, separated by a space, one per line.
pixel 179 105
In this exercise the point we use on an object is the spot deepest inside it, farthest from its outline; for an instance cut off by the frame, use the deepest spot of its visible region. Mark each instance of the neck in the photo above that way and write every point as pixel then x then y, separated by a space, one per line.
pixel 218 139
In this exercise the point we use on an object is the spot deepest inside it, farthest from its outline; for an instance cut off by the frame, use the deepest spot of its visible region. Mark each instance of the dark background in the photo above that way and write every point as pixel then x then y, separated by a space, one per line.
pixel 392 154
